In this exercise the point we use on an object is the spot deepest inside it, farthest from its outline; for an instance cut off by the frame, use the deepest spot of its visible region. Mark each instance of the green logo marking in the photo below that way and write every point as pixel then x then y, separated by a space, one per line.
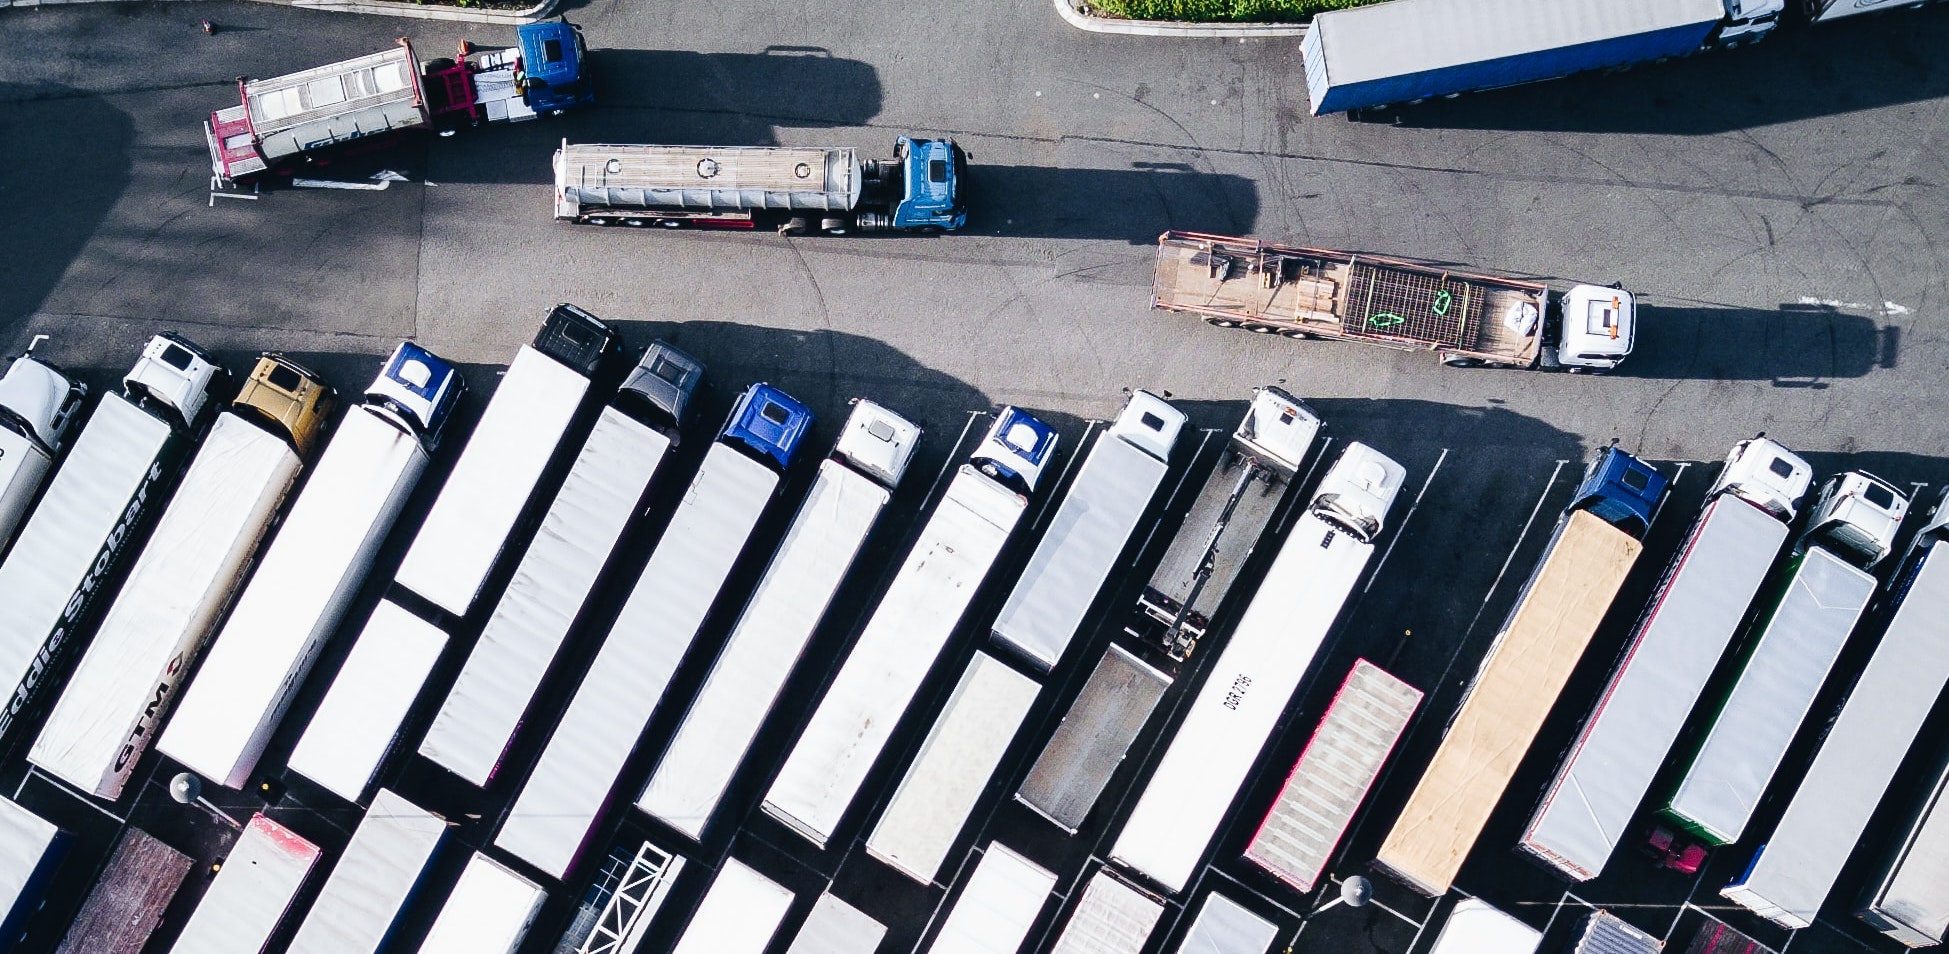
pixel 1385 319
pixel 1442 300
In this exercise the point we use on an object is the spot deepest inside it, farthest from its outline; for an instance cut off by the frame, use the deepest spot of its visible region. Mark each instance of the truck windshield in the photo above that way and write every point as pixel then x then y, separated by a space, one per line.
pixel 12 421
pixel 1329 508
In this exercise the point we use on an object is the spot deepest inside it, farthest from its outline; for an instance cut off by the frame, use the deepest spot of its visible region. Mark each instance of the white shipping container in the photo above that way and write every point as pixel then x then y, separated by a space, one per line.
pixel 609 711
pixel 487 913
pixel 898 645
pixel 296 598
pixel 1223 927
pixel 495 685
pixel 739 914
pixel 122 688
pixel 373 880
pixel 997 907
pixel 30 847
pixel 946 779
pixel 1112 918
pixel 469 523
pixel 835 927
pixel 241 909
pixel 359 717
pixel 1476 928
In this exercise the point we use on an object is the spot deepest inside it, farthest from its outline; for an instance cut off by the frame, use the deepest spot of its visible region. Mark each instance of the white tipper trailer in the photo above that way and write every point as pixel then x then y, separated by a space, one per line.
pixel 1092 739
pixel 243 906
pixel 996 907
pixel 738 915
pixel 1258 670
pixel 313 569
pixel 374 879
pixel 1677 642
pixel 189 570
pixel 38 402
pixel 1791 874
pixel 1112 918
pixel 570 785
pixel 853 485
pixel 116 475
pixel 910 627
pixel 1092 526
pixel 355 725
pixel 488 912
pixel 631 439
pixel 536 402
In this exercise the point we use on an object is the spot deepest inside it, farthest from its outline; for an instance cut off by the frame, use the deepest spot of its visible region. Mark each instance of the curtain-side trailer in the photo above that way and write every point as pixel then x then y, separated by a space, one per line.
pixel 248 899
pixel 738 915
pixel 1112 918
pixel 126 904
pixel 373 880
pixel 835 927
pixel 355 725
pixel 488 912
pixel 1092 739
pixel 996 907
pixel 1908 897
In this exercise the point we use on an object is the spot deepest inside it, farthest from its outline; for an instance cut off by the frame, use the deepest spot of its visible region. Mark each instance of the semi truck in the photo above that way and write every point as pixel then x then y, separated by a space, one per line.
pixel 95 511
pixel 853 486
pixel 793 189
pixel 1231 512
pixel 375 877
pixel 908 630
pixel 1223 926
pixel 1255 675
pixel 1468 320
pixel 1090 742
pixel 38 402
pixel 470 524
pixel 632 437
pixel 208 536
pixel 1406 51
pixel 1335 771
pixel 566 793
pixel 739 914
pixel 355 725
pixel 997 906
pixel 937 795
pixel 1908 896
pixel 126 904
pixel 313 568
pixel 1101 510
pixel 1591 552
pixel 1828 583
pixel 1694 611
pixel 1791 874
pixel 254 887
pixel 31 849
pixel 488 912
pixel 1112 918
pixel 284 122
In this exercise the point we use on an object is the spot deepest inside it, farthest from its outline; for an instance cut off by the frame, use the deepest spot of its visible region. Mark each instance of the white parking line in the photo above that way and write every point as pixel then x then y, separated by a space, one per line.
pixel 1402 528
pixel 1655 511
pixel 1487 597
pixel 1042 515
pixel 64 786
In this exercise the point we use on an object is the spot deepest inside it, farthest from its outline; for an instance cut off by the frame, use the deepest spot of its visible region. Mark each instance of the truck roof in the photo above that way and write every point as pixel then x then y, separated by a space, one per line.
pixel 345 100
pixel 419 389
pixel 38 395
pixel 551 50
pixel 768 424
pixel 712 177
pixel 877 442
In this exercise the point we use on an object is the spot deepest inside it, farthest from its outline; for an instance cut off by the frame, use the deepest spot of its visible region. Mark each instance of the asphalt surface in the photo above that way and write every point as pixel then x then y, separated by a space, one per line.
pixel 1779 210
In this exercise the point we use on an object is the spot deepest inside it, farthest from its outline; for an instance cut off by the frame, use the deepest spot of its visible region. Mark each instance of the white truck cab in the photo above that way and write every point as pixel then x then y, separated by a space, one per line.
pixel 37 404
pixel 175 376
pixel 1767 475
pixel 1149 424
pixel 877 441
pixel 1748 21
pixel 1857 514
pixel 1600 326
pixel 1358 491
pixel 1279 428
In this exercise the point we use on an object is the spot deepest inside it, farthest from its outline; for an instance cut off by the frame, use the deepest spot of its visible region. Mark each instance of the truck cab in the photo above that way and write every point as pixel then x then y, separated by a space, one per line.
pixel 1015 450
pixel 173 378
pixel 415 392
pixel 659 391
pixel 552 79
pixel 1599 328
pixel 286 399
pixel 767 424
pixel 37 404
pixel 931 191
pixel 1767 475
pixel 1748 21
pixel 1278 429
pixel 576 339
pixel 1621 490
pixel 1149 424
pixel 1358 490
pixel 1856 516
pixel 877 442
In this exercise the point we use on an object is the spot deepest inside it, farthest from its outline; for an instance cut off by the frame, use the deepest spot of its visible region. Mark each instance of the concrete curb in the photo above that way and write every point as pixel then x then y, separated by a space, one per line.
pixel 1074 14
pixel 383 8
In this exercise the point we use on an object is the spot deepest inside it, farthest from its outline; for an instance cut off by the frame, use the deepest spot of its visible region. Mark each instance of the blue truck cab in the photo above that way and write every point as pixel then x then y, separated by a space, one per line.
pixel 552 64
pixel 1015 450
pixel 415 392
pixel 1622 490
pixel 767 424
pixel 931 170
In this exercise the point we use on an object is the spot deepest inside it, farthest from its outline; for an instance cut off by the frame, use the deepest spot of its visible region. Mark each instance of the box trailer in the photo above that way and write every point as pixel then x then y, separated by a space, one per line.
pixel 1112 918
pixel 188 571
pixel 739 914
pixel 835 927
pixel 1231 512
pixel 126 904
pixel 38 402
pixel 1795 642
pixel 1222 926
pixel 1606 933
pixel 1692 616
pixel 473 520
pixel 1474 927
pixel 31 848
pixel 1255 675
pixel 1908 896
pixel 566 794
pixel 997 906
pixel 359 718
pixel 615 913
pixel 1591 552
pixel 374 879
pixel 1092 527
pixel 1092 739
pixel 243 906
pixel 313 569
pixel 910 627
pixel 1296 839
pixel 488 912
pixel 938 793
pixel 1792 873
pixel 631 438
pixel 853 486
pixel 116 475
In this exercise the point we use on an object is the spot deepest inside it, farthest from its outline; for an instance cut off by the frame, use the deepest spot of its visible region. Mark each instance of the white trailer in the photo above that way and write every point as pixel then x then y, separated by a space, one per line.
pixel 1664 665
pixel 1474 927
pixel 1224 927
pixel 1256 674
pixel 1093 738
pixel 31 848
pixel 997 906
pixel 1908 899
pixel 631 439
pixel 854 484
pixel 1091 528
pixel 939 791
pixel 1334 773
pixel 356 723
pixel 38 402
pixel 117 473
pixel 907 631
pixel 125 683
pixel 373 880
pixel 835 927
pixel 488 912
pixel 1791 874
pixel 470 523
pixel 241 909
pixel 1112 918
pixel 570 785
pixel 739 914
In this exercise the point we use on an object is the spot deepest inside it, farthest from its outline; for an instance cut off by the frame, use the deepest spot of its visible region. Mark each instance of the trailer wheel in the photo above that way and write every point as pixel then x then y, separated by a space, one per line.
pixel 1224 323
pixel 670 223
pixel 835 226
pixel 1296 333
pixel 1259 329
pixel 1460 361
pixel 636 223
pixel 793 226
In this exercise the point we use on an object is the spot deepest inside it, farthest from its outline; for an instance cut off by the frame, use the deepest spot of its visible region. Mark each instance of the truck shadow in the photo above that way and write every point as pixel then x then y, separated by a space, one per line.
pixel 1794 345
pixel 93 143
pixel 731 99
pixel 1134 204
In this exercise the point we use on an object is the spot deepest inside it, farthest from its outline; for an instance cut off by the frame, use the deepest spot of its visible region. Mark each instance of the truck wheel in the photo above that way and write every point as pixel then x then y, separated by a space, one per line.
pixel 834 226
pixel 930 230
pixel 1258 329
pixel 636 223
pixel 793 226
pixel 1296 333
pixel 1460 361
pixel 670 223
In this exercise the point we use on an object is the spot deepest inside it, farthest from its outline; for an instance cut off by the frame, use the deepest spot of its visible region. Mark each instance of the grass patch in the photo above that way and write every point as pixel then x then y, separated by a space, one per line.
pixel 1243 11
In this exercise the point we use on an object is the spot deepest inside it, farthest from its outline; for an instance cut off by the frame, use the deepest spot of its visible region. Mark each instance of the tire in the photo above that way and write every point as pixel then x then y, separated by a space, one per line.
pixel 1460 361
pixel 670 223
pixel 635 223
pixel 1223 322
pixel 793 226
pixel 1259 329
pixel 1298 334
pixel 835 226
